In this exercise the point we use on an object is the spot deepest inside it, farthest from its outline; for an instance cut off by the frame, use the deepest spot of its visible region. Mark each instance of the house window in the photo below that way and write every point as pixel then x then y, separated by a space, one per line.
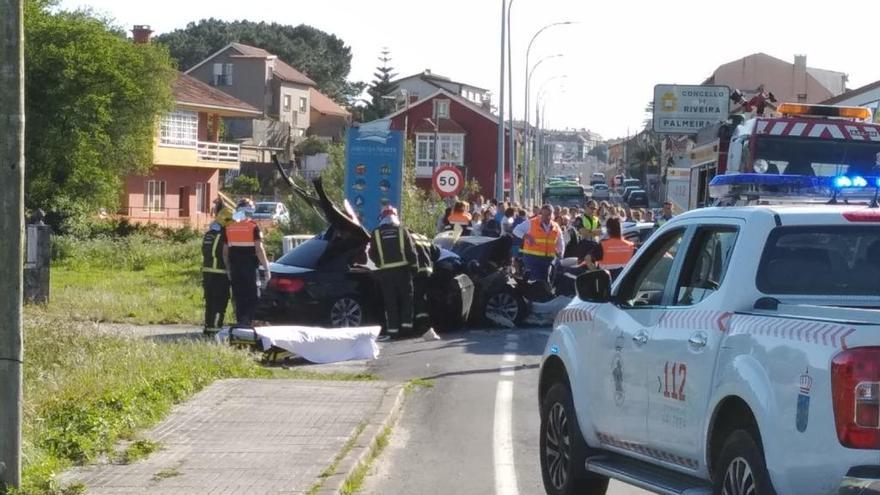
pixel 441 109
pixel 222 75
pixel 303 104
pixel 286 103
pixel 154 199
pixel 179 128
pixel 203 204
pixel 451 150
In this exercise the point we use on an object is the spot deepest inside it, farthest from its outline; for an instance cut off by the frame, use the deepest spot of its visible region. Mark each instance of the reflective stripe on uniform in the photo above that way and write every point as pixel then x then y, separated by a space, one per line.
pixel 213 270
pixel 541 243
pixel 377 239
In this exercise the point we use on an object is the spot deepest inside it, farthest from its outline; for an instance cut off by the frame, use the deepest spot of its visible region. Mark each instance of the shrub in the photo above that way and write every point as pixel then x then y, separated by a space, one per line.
pixel 244 185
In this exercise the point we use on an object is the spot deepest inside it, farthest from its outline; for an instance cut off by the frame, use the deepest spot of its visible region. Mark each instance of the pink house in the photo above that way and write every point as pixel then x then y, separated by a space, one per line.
pixel 187 158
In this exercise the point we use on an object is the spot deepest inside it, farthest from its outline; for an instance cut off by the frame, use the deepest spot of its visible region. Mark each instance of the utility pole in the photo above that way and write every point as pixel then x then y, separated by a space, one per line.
pixel 499 172
pixel 11 245
pixel 513 164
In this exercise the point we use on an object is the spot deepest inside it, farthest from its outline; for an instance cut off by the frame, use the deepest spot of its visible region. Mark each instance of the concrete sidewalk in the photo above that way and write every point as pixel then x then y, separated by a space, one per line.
pixel 254 436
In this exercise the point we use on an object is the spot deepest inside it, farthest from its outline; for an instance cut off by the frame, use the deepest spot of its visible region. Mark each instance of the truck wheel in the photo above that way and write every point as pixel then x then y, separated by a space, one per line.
pixel 563 449
pixel 741 469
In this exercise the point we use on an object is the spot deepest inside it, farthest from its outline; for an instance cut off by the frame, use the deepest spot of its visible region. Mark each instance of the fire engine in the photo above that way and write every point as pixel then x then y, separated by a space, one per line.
pixel 798 139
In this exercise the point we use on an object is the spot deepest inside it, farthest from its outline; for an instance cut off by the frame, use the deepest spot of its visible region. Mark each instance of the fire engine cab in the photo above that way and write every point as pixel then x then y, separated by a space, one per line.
pixel 799 139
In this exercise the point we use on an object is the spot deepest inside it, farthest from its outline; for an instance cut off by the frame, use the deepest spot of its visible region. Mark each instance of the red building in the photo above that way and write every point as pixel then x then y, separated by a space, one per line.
pixel 467 134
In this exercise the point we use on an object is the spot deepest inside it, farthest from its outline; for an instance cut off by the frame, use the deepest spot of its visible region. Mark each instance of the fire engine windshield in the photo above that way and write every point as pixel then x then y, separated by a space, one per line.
pixel 817 157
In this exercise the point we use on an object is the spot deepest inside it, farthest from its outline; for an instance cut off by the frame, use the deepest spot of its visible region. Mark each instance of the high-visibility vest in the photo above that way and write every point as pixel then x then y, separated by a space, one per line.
pixel 616 253
pixel 241 234
pixel 212 253
pixel 393 260
pixel 589 223
pixel 541 242
pixel 463 219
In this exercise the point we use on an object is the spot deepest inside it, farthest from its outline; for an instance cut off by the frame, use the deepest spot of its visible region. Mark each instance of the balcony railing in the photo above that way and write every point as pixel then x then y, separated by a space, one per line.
pixel 218 152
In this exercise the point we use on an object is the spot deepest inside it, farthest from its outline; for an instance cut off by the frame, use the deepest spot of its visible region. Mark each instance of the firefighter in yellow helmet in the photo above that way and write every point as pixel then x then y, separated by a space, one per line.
pixel 215 282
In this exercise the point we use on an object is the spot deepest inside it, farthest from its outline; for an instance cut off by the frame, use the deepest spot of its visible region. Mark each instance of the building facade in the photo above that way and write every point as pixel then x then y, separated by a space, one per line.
pixel 413 88
pixel 789 82
pixel 188 155
pixel 279 91
pixel 448 129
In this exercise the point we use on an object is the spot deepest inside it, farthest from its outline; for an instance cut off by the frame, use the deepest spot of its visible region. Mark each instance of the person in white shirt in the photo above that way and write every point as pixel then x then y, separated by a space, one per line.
pixel 542 243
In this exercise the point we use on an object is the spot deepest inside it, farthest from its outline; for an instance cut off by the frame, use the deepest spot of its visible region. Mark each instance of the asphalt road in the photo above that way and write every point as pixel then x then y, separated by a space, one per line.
pixel 475 431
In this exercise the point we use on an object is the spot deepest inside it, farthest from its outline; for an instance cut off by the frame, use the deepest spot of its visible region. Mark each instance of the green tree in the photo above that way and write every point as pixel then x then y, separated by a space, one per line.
pixel 325 58
pixel 93 102
pixel 244 185
pixel 381 88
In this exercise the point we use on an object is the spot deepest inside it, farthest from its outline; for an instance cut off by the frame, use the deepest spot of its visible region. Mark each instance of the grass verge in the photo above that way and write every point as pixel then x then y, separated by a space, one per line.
pixel 130 280
pixel 137 450
pixel 84 392
pixel 331 469
pixel 416 384
pixel 339 376
pixel 355 481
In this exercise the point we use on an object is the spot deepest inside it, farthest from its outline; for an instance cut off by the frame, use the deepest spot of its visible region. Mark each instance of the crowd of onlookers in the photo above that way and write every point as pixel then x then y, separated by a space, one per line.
pixel 493 218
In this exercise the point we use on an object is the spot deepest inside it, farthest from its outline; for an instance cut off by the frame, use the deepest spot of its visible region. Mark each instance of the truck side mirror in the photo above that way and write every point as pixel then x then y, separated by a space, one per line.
pixel 594 286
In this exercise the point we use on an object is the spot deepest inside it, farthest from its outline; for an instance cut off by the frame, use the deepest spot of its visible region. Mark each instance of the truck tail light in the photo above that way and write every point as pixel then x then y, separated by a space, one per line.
pixel 855 387
pixel 286 284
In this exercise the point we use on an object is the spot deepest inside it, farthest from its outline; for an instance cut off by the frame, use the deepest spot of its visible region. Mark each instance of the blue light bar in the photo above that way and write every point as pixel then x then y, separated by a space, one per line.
pixel 842 181
pixel 792 186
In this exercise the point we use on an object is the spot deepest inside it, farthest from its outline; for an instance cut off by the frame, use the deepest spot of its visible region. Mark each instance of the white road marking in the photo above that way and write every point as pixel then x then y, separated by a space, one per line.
pixel 502 434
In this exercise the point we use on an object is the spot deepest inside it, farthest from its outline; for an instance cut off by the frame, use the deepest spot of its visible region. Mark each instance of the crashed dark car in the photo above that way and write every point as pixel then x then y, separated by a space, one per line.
pixel 329 281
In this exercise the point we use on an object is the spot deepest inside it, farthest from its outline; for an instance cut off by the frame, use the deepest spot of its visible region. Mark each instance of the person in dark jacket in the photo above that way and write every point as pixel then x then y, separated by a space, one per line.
pixel 393 251
pixel 215 281
pixel 426 253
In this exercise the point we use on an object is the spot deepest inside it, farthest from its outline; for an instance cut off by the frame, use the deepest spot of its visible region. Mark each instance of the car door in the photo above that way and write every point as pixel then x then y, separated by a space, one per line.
pixel 684 347
pixel 618 362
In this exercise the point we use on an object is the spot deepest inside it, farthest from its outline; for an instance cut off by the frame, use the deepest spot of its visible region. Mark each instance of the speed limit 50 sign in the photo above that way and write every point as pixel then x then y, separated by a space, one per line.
pixel 448 181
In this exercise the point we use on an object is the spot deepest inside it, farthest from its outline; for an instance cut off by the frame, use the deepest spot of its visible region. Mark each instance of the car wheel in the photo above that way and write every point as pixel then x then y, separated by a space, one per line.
pixel 563 449
pixel 741 469
pixel 505 305
pixel 347 311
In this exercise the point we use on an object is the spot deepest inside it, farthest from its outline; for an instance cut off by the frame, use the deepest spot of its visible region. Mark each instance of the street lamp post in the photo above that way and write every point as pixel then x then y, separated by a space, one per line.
pixel 499 171
pixel 526 156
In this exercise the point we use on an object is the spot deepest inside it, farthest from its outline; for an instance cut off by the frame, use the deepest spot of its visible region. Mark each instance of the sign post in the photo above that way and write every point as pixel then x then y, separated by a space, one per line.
pixel 448 181
pixel 687 109
pixel 374 170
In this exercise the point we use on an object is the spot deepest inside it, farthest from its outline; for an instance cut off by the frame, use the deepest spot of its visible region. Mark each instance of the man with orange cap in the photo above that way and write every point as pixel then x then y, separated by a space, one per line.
pixel 394 254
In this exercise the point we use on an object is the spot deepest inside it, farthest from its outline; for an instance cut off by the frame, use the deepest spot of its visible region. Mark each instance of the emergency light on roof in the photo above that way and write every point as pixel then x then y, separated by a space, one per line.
pixel 794 187
pixel 800 109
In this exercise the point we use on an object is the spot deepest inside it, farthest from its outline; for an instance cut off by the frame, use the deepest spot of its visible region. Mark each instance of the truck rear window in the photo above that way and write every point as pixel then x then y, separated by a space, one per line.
pixel 821 260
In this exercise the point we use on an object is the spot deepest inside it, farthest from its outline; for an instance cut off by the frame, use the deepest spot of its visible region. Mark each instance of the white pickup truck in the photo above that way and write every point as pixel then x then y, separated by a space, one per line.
pixel 738 353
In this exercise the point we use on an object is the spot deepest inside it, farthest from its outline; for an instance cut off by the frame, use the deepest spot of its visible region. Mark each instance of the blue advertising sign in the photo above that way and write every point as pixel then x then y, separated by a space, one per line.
pixel 374 170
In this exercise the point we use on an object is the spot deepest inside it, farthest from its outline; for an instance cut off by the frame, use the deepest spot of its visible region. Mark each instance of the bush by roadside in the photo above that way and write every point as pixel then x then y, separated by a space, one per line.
pixel 84 392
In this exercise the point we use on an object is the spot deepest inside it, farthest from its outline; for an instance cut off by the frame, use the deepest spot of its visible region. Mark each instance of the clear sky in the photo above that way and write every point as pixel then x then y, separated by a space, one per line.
pixel 612 58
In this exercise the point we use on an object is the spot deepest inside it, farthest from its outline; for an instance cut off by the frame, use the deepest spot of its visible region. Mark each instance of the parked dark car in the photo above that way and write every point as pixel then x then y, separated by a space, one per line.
pixel 637 199
pixel 329 281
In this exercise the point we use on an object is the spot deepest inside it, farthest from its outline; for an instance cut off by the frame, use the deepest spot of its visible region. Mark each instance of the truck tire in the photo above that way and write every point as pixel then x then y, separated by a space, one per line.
pixel 741 469
pixel 563 449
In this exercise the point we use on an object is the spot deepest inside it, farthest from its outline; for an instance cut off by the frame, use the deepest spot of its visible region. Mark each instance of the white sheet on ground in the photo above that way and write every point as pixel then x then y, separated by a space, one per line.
pixel 321 345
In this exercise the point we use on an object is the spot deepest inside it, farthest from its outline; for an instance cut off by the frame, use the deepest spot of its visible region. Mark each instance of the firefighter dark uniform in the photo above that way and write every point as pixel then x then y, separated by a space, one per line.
pixel 215 280
pixel 392 250
pixel 242 239
pixel 426 254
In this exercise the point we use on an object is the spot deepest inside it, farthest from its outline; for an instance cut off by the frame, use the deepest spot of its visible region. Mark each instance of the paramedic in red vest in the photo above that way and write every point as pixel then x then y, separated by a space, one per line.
pixel 542 243
pixel 460 216
pixel 244 254
pixel 614 252
pixel 394 253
